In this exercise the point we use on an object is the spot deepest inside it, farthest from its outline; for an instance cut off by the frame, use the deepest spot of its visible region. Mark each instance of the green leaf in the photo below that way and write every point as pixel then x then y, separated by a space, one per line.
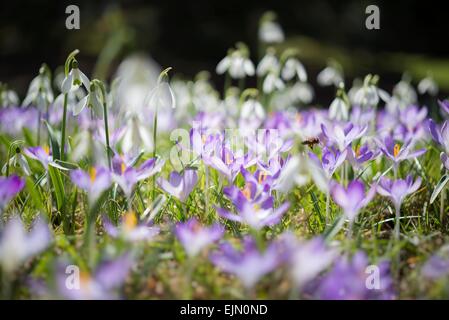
pixel 440 186
pixel 53 141
pixel 58 185
pixel 34 194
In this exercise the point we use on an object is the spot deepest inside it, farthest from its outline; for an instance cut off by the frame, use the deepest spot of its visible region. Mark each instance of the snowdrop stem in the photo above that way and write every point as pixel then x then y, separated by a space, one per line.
pixel 154 151
pixel 106 124
pixel 242 84
pixel 206 173
pixel 64 119
pixel 68 62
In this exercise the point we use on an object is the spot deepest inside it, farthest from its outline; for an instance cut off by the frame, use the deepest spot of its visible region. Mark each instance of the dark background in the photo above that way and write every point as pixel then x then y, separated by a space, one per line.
pixel 194 35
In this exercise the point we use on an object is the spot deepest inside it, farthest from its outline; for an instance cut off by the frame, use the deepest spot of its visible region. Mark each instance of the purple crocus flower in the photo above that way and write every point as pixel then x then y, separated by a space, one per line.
pixel 9 187
pixel 126 176
pixel 253 209
pixel 411 125
pixel 194 237
pixel 397 153
pixel 94 182
pixel 17 245
pixel 340 136
pixel 249 264
pixel 436 267
pixel 130 229
pixel 180 185
pixel 331 160
pixel 353 198
pixel 348 280
pixel 102 283
pixel 441 137
pixel 360 155
pixel 40 154
pixel 307 259
pixel 396 191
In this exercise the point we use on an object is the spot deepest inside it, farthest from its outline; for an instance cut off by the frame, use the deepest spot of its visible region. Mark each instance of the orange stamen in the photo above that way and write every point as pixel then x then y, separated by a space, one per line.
pixel 93 174
pixel 396 150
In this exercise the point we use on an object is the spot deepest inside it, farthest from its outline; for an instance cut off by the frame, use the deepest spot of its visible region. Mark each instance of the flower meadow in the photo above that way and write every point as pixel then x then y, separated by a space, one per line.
pixel 151 186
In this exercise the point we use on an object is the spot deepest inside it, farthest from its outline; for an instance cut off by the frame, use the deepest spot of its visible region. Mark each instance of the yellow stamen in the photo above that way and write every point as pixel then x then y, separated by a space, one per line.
pixel 203 138
pixel 123 167
pixel 130 220
pixel 247 191
pixel 396 150
pixel 47 150
pixel 357 151
pixel 93 174
pixel 262 176
pixel 228 159
pixel 84 278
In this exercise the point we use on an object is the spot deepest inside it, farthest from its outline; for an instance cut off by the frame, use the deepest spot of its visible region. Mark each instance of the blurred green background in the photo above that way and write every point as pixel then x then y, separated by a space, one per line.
pixel 194 35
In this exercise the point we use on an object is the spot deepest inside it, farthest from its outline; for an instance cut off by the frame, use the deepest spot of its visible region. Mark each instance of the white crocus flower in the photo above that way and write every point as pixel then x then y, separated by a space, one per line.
pixel 268 62
pixel 293 67
pixel 329 76
pixel 74 80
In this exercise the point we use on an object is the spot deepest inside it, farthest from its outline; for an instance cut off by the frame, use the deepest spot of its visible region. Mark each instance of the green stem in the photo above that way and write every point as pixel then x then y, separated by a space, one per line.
pixel 64 117
pixel 397 226
pixel 106 125
pixel 153 197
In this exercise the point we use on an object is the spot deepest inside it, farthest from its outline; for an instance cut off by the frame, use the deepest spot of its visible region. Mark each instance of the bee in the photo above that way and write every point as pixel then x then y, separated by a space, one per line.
pixel 311 142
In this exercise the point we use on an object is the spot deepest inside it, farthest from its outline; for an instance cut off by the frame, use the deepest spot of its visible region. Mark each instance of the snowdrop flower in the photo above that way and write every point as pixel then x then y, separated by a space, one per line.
pixel 252 108
pixel 428 85
pixel 301 92
pixel 272 83
pixel 40 92
pixel 161 97
pixel 269 62
pixel 17 246
pixel 74 80
pixel 91 100
pixel 269 29
pixel 330 76
pixel 8 97
pixel 18 160
pixel 368 94
pixel 293 67
pixel 237 63
pixel 194 237
pixel 339 108
pixel 135 75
